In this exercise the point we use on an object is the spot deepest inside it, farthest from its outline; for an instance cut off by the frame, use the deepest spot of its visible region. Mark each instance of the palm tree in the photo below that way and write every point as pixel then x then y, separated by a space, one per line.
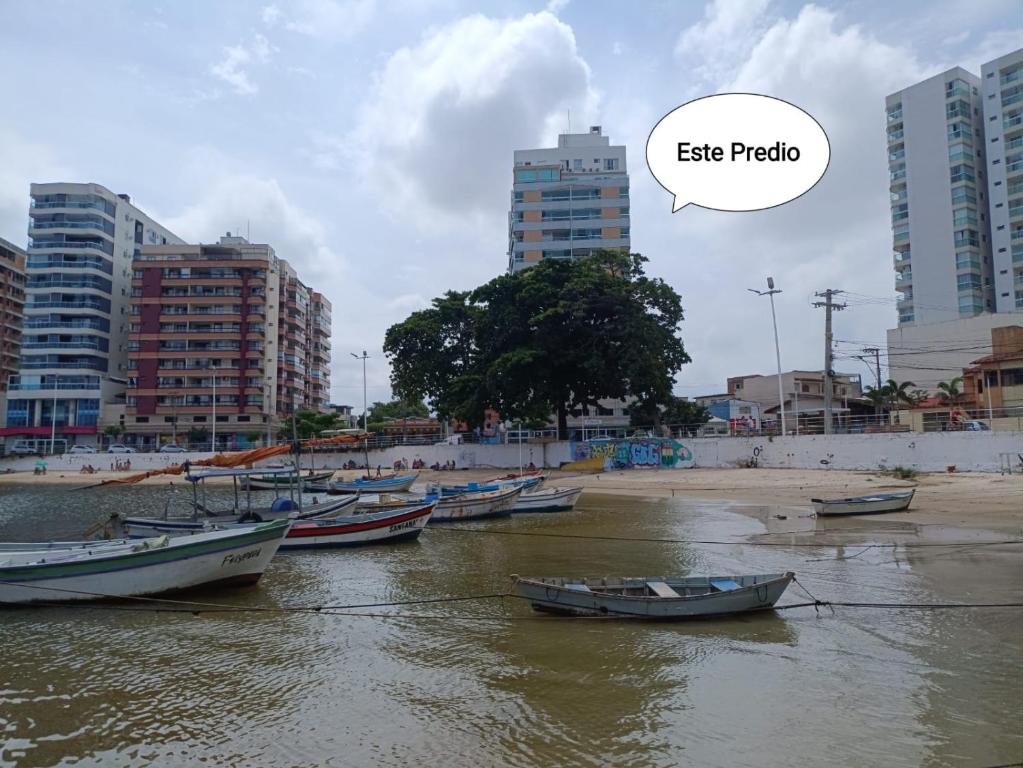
pixel 949 391
pixel 876 396
pixel 897 393
pixel 112 431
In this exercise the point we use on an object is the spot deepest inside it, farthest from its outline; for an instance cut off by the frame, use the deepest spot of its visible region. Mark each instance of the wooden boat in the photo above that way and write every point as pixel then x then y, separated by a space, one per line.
pixel 393 484
pixel 388 525
pixel 141 527
pixel 137 568
pixel 552 500
pixel 660 597
pixel 476 506
pixel 864 505
pixel 527 484
pixel 282 481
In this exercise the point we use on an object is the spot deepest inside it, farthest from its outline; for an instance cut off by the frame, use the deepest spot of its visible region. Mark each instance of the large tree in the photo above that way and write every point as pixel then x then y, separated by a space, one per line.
pixel 398 409
pixel 544 340
pixel 677 411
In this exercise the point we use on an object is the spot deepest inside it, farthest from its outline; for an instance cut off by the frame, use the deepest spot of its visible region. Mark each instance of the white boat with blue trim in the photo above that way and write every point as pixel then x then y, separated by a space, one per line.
pixel 667 598
pixel 106 570
pixel 550 500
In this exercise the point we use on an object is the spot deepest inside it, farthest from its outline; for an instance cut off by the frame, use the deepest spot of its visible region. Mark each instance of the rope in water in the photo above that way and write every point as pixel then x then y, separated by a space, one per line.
pixel 718 542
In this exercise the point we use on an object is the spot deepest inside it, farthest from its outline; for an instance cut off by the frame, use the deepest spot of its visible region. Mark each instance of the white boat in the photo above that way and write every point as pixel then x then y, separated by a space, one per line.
pixel 476 506
pixel 272 482
pixel 552 500
pixel 138 568
pixel 388 525
pixel 389 484
pixel 864 505
pixel 660 597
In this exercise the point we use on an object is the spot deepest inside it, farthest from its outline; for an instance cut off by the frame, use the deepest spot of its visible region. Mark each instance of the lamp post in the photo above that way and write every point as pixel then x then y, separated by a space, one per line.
pixel 213 370
pixel 771 290
pixel 365 413
pixel 53 415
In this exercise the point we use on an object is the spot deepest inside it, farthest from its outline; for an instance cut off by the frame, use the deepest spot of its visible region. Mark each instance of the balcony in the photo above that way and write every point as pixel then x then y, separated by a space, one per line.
pixel 79 304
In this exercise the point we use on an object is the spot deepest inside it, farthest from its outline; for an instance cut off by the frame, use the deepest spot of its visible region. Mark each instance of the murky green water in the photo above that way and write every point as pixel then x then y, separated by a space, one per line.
pixel 102 686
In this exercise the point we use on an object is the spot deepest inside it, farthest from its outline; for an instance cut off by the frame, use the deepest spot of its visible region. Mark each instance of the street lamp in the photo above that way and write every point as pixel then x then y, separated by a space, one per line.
pixel 53 415
pixel 365 413
pixel 213 370
pixel 771 290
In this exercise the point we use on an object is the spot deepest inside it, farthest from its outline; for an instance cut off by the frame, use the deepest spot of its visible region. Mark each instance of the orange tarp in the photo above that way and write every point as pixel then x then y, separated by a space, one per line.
pixel 238 459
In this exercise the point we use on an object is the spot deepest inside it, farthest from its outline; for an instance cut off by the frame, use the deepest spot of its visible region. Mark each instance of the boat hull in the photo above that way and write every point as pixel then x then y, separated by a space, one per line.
pixel 279 482
pixel 863 505
pixel 753 593
pixel 548 501
pixel 359 530
pixel 199 560
pixel 473 506
pixel 527 484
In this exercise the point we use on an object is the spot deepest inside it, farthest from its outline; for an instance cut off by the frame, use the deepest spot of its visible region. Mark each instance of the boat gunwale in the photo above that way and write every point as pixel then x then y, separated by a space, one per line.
pixel 788 576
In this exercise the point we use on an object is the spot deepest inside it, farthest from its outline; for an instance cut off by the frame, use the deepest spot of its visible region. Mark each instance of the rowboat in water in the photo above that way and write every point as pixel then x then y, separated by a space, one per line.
pixel 670 598
pixel 279 481
pixel 392 484
pixel 476 506
pixel 138 568
pixel 365 528
pixel 864 505
pixel 552 500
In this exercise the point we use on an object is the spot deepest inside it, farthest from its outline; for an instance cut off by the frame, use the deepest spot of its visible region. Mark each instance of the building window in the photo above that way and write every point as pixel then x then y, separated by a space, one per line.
pixel 611 164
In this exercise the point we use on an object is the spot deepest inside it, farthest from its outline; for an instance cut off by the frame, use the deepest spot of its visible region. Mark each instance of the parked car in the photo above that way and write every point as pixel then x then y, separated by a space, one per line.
pixel 120 448
pixel 81 449
pixel 21 448
pixel 975 426
pixel 171 448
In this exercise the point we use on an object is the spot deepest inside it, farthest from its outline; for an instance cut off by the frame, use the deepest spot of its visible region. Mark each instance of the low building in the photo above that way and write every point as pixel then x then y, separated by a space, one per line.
pixel 803 392
pixel 995 382
pixel 741 416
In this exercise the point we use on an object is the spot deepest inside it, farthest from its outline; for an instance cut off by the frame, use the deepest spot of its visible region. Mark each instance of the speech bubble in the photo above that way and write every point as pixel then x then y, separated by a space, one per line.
pixel 737 152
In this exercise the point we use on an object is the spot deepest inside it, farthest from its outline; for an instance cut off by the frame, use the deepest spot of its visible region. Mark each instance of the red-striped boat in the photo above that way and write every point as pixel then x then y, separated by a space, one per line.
pixel 354 530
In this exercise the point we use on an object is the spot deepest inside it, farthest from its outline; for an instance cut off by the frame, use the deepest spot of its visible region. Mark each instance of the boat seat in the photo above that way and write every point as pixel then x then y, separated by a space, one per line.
pixel 578 587
pixel 724 585
pixel 661 589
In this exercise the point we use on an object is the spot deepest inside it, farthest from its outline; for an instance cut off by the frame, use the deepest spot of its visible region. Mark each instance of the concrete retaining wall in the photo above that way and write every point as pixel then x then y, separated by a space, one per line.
pixel 927 452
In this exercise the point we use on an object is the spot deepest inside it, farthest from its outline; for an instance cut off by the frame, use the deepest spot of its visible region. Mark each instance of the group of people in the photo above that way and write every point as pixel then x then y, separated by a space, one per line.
pixel 447 466
pixel 87 469
pixel 120 466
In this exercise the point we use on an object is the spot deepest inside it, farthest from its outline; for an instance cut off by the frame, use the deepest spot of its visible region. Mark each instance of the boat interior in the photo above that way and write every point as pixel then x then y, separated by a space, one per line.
pixel 667 587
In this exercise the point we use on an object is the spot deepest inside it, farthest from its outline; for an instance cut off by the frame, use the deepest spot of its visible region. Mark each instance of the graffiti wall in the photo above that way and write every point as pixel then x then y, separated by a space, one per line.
pixel 634 452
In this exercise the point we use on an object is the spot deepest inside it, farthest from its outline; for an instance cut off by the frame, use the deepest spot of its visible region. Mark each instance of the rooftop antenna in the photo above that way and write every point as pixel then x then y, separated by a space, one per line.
pixel 569 113
pixel 247 222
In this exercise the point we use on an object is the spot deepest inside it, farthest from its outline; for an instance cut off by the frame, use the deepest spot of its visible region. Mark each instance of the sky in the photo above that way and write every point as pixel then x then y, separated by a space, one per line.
pixel 371 142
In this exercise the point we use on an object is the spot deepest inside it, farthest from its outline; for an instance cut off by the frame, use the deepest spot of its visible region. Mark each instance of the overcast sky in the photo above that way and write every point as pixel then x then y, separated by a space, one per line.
pixel 371 142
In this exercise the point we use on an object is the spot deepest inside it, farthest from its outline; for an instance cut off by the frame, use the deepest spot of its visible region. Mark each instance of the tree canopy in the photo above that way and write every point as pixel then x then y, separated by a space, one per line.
pixel 676 411
pixel 310 424
pixel 398 409
pixel 544 340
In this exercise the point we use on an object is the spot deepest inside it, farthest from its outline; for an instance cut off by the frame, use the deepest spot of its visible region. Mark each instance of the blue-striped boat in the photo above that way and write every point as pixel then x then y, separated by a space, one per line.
pixel 393 484
pixel 525 483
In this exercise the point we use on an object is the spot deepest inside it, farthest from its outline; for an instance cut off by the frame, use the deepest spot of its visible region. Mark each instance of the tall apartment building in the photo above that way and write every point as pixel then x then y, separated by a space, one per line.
pixel 568 200
pixel 83 238
pixel 220 335
pixel 12 307
pixel 1002 87
pixel 940 222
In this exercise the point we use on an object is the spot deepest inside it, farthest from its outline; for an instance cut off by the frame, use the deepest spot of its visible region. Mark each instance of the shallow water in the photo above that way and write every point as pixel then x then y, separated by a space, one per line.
pixel 91 686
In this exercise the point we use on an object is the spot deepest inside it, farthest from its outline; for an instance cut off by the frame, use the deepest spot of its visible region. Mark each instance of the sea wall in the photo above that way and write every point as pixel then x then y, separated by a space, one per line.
pixel 927 452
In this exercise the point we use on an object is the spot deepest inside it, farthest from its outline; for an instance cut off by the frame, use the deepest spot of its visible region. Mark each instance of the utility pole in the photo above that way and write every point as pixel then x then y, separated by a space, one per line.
pixel 829 305
pixel 365 412
pixel 877 361
pixel 269 414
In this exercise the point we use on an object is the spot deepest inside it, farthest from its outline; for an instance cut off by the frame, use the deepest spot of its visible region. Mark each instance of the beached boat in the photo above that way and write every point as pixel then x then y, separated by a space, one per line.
pixel 393 484
pixel 281 481
pixel 476 506
pixel 664 598
pixel 527 484
pixel 388 525
pixel 552 500
pixel 864 505
pixel 143 567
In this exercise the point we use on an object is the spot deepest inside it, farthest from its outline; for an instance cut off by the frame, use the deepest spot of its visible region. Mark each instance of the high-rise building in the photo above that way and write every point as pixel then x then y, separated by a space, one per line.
pixel 940 222
pixel 222 335
pixel 83 238
pixel 1002 87
pixel 568 200
pixel 12 306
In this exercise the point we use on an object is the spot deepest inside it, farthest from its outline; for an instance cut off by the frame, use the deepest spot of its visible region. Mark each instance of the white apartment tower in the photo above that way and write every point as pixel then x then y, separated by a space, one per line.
pixel 940 221
pixel 1002 87
pixel 568 200
pixel 74 356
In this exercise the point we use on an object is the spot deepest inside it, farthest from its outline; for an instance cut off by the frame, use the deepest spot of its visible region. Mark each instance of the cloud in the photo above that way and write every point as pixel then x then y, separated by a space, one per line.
pixel 328 19
pixel 271 14
pixel 716 46
pixel 435 138
pixel 838 235
pixel 23 162
pixel 233 68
